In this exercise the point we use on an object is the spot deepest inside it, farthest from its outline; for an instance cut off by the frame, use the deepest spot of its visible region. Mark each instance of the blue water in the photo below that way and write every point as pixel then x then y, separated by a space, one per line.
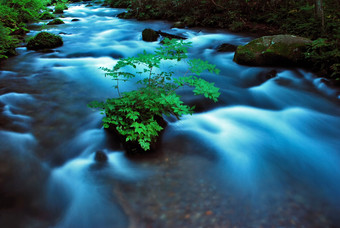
pixel 267 154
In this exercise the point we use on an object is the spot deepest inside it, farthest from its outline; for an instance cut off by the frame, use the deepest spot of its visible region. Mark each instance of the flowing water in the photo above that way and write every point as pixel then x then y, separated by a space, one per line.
pixel 266 155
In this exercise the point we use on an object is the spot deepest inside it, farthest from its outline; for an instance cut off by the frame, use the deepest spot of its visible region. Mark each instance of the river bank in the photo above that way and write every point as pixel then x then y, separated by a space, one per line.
pixel 257 19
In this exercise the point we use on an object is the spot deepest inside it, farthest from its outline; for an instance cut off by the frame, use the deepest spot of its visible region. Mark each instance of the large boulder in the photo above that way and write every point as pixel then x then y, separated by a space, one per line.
pixel 278 50
pixel 44 40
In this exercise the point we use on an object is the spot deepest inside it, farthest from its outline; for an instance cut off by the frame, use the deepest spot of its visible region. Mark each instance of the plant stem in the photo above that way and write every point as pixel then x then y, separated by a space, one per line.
pixel 118 88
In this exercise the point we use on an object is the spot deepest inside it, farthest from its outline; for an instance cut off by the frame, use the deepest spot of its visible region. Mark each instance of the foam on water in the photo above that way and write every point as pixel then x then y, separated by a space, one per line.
pixel 295 144
pixel 77 189
pixel 267 136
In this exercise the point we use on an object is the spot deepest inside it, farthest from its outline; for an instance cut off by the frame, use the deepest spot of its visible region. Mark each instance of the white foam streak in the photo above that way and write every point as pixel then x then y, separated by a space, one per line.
pixel 250 142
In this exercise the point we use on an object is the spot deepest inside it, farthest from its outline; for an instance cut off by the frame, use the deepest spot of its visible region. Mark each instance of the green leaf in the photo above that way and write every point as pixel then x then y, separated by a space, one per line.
pixel 133 114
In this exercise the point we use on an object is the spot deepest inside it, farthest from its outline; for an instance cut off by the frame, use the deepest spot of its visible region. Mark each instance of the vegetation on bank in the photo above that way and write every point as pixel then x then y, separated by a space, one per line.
pixel 314 19
pixel 15 14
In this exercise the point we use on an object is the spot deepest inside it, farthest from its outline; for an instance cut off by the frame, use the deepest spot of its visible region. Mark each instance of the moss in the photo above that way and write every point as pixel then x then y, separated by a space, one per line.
pixel 244 55
pixel 19 31
pixel 60 7
pixel 44 40
pixel 46 16
pixel 56 22
pixel 279 50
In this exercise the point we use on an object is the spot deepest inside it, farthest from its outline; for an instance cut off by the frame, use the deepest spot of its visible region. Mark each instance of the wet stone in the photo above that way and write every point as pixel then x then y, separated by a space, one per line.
pixel 100 156
pixel 226 48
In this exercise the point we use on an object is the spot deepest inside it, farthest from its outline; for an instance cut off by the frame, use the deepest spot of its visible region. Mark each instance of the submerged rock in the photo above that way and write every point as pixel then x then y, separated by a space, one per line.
pixel 56 22
pixel 278 50
pixel 171 36
pixel 44 40
pixel 100 156
pixel 226 48
pixel 150 35
pixel 75 19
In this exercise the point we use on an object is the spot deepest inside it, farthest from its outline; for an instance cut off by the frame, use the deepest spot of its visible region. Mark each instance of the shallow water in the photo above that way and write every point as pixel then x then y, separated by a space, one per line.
pixel 267 154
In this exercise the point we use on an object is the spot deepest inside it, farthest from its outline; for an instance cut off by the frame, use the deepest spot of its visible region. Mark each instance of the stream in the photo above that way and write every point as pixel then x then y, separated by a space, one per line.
pixel 267 154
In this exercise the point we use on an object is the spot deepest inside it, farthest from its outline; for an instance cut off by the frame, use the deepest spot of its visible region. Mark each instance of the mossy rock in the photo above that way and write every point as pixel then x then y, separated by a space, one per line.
pixel 46 16
pixel 278 50
pixel 178 24
pixel 150 35
pixel 44 40
pixel 56 22
pixel 59 11
pixel 21 31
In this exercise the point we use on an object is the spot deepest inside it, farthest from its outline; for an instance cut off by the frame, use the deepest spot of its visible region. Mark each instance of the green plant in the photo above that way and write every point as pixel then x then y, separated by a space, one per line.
pixel 325 57
pixel 137 115
pixel 7 44
pixel 60 7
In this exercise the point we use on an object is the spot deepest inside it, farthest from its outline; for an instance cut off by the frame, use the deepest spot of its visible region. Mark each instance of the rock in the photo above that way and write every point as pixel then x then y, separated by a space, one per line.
pixel 56 22
pixel 19 31
pixel 278 50
pixel 89 5
pixel 59 10
pixel 226 48
pixel 178 24
pixel 44 40
pixel 100 156
pixel 170 36
pixel 46 16
pixel 76 19
pixel 149 35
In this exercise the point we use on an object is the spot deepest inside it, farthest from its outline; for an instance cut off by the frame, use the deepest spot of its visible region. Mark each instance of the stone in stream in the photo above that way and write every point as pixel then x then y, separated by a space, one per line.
pixel 278 50
pixel 226 48
pixel 75 19
pixel 58 11
pixel 171 36
pixel 46 16
pixel 150 35
pixel 44 40
pixel 100 156
pixel 56 22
